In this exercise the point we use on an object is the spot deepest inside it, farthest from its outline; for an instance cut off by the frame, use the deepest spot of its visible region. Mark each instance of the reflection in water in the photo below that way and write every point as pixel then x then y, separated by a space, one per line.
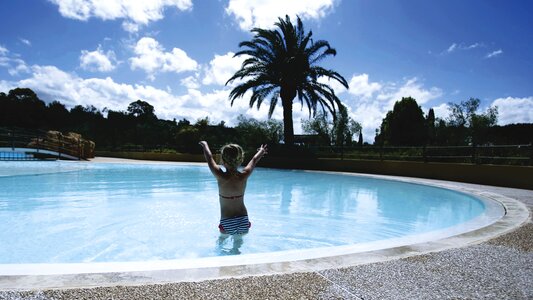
pixel 223 242
pixel 366 206
pixel 411 208
pixel 286 198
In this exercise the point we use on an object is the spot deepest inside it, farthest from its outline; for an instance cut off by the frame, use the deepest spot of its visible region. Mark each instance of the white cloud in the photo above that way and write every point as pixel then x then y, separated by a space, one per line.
pixel 360 86
pixel 4 61
pixel 20 67
pixel 97 60
pixel 130 26
pixel 135 13
pixel 452 48
pixel 514 110
pixel 252 13
pixel 221 68
pixel 51 83
pixel 473 46
pixel 15 66
pixel 152 58
pixel 457 47
pixel 494 53
pixel 411 88
pixel 6 86
pixel 190 82
pixel 369 114
pixel 25 41
pixel 442 111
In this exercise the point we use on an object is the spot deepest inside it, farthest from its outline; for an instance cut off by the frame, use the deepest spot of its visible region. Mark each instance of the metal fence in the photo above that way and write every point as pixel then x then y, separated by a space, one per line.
pixel 476 154
pixel 487 154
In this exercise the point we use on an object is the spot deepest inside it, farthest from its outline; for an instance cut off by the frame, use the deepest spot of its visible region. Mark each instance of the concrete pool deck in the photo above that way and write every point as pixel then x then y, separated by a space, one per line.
pixel 484 267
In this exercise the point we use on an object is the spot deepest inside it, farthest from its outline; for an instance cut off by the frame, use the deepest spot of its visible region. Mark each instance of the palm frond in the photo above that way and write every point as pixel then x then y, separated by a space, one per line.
pixel 319 71
pixel 241 89
pixel 319 50
pixel 260 93
pixel 309 104
pixel 273 104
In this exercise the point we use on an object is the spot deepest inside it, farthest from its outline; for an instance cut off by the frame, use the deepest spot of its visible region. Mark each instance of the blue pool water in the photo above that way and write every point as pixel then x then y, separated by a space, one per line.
pixel 68 212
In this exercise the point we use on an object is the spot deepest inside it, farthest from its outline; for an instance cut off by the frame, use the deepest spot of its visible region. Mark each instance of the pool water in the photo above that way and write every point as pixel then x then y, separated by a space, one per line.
pixel 70 212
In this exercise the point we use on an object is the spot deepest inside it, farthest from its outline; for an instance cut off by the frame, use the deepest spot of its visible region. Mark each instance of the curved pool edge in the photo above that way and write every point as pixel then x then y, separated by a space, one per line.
pixel 107 274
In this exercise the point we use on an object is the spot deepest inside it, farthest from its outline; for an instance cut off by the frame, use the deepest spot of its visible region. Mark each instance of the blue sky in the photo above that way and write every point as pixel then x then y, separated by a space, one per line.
pixel 177 54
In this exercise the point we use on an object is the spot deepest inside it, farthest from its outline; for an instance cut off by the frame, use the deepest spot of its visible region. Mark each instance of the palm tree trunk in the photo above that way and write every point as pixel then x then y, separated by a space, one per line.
pixel 288 130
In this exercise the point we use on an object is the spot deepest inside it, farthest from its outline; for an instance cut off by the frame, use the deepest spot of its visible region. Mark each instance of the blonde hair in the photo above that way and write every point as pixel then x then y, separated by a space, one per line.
pixel 232 155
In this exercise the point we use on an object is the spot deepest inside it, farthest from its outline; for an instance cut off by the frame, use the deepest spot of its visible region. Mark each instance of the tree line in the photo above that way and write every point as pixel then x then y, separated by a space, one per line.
pixel 135 128
pixel 138 127
pixel 406 125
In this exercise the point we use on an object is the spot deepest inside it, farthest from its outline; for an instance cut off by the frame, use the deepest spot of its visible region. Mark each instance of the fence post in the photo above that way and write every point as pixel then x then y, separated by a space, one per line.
pixel 381 152
pixel 12 138
pixel 531 153
pixel 473 160
pixel 424 154
pixel 59 147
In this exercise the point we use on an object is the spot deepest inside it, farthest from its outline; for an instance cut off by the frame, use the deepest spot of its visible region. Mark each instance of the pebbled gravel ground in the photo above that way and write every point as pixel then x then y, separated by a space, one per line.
pixel 501 268
pixel 482 271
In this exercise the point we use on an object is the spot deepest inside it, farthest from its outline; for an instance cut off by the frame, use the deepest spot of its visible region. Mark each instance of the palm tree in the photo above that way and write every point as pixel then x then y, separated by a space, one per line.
pixel 282 63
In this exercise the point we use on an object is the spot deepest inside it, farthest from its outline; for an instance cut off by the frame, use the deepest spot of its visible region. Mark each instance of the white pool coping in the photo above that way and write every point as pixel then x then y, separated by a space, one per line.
pixel 502 215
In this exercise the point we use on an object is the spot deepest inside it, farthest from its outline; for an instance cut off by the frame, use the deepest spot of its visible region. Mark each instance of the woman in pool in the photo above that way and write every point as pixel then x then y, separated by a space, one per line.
pixel 231 185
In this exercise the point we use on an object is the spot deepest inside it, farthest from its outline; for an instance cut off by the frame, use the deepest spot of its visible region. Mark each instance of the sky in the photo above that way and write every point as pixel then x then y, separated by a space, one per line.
pixel 178 54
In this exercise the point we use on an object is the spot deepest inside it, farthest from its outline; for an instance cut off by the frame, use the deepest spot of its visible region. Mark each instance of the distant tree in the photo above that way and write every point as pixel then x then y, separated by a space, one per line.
pixel 405 125
pixel 88 121
pixel 344 127
pixel 120 128
pixel 187 135
pixel 282 63
pixel 360 141
pixel 511 134
pixel 319 125
pixel 5 110
pixel 446 135
pixel 430 123
pixel 57 116
pixel 253 132
pixel 142 110
pixel 24 94
pixel 202 123
pixel 187 139
pixel 339 131
pixel 24 109
pixel 473 125
pixel 183 123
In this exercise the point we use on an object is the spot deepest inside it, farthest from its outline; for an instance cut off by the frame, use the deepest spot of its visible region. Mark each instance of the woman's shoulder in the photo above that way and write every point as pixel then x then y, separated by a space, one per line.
pixel 233 175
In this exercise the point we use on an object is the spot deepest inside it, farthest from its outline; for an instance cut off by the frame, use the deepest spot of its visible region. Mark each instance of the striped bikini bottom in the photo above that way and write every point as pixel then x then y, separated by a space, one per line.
pixel 235 225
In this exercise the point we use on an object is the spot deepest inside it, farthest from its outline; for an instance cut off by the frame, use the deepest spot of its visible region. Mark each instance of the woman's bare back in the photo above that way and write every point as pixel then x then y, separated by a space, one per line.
pixel 231 187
